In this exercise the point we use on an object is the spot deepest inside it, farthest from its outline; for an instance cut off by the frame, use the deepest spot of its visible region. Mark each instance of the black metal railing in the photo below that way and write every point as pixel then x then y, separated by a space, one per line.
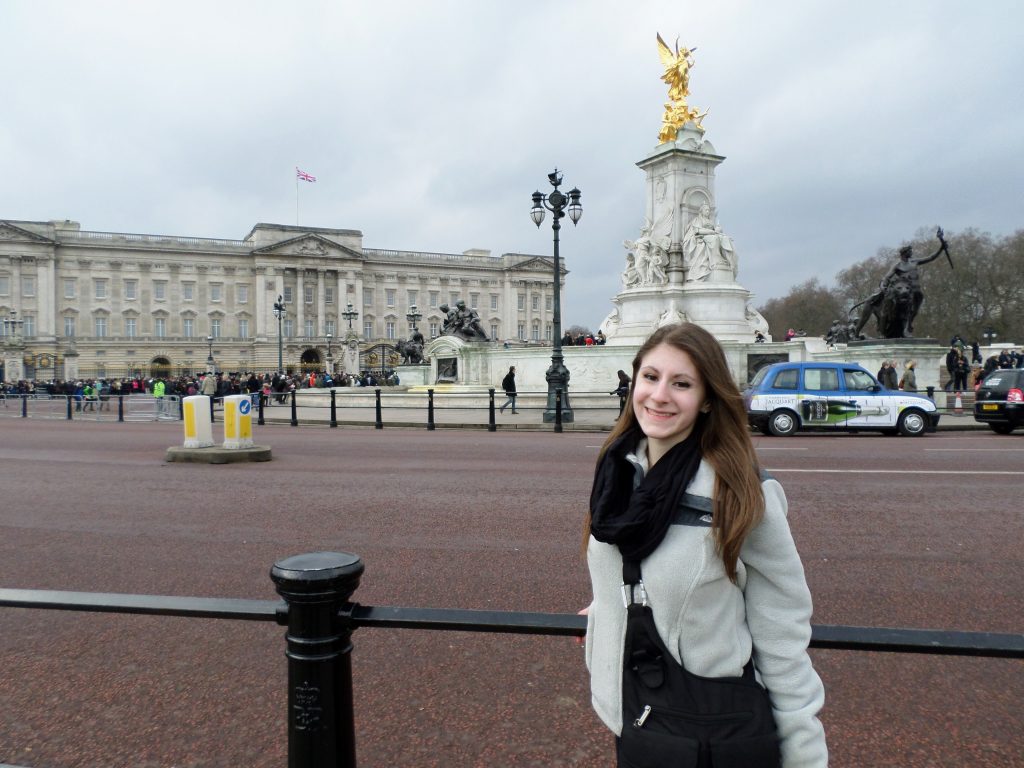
pixel 317 609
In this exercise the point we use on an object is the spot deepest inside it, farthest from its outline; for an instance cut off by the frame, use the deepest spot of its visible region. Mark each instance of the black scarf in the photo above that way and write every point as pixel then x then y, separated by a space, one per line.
pixel 637 519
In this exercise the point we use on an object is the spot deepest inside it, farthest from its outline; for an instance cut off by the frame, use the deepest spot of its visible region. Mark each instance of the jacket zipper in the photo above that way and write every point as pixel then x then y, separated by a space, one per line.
pixel 682 715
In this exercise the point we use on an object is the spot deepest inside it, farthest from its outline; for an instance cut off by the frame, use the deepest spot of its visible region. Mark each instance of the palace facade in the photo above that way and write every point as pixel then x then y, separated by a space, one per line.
pixel 80 303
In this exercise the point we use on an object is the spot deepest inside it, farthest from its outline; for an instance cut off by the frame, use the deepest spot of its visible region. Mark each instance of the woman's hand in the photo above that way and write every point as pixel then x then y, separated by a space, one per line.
pixel 582 640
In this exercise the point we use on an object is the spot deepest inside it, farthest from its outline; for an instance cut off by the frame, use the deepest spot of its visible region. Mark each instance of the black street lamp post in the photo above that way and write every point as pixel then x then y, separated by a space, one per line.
pixel 349 314
pixel 990 336
pixel 557 375
pixel 413 317
pixel 209 357
pixel 279 313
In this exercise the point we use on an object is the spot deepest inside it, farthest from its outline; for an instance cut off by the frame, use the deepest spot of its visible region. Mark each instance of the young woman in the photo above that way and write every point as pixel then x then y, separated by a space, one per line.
pixel 681 511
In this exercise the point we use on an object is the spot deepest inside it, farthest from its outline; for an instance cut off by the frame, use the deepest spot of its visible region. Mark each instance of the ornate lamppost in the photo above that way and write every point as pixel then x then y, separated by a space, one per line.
pixel 279 313
pixel 557 375
pixel 413 317
pixel 210 366
pixel 349 314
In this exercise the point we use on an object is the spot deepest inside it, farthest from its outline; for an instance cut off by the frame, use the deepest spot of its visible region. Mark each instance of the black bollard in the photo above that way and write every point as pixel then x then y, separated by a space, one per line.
pixel 295 412
pixel 120 407
pixel 69 407
pixel 261 421
pixel 430 410
pixel 181 409
pixel 334 410
pixel 491 426
pixel 321 726
pixel 558 410
pixel 24 406
pixel 379 424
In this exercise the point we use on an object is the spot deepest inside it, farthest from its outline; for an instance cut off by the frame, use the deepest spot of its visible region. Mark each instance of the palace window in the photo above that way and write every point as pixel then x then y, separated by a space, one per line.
pixel 310 328
pixel 160 327
pixel 389 329
pixel 521 302
pixel 368 329
pixel 434 296
pixel 328 295
pixel 243 328
pixel 494 302
pixel 216 291
pixel 130 327
pixel 131 289
pixel 329 327
pixel 287 294
pixel 28 286
pixel 188 326
pixel 243 294
pixel 100 325
pixel 215 327
pixel 367 297
pixel 69 289
pixel 307 294
pixel 69 327
pixel 188 291
pixel 389 294
pixel 159 290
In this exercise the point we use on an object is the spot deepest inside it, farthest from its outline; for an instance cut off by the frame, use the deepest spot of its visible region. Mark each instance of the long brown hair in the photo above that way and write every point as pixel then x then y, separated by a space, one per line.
pixel 725 443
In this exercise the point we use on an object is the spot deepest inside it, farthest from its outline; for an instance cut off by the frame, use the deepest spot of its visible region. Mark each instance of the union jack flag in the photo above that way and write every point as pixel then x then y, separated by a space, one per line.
pixel 303 175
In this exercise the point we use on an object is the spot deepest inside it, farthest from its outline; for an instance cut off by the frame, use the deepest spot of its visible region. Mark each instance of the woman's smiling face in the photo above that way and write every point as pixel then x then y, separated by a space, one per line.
pixel 668 395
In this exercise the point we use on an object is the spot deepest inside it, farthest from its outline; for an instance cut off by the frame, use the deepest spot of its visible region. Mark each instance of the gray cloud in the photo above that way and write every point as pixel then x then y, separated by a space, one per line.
pixel 429 125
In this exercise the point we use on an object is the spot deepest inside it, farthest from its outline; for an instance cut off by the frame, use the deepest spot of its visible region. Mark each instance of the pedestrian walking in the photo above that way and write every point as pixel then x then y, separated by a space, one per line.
pixel 509 385
pixel 688 531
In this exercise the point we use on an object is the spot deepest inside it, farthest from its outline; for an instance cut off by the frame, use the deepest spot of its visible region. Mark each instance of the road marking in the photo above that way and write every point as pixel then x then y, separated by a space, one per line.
pixel 958 472
pixel 996 450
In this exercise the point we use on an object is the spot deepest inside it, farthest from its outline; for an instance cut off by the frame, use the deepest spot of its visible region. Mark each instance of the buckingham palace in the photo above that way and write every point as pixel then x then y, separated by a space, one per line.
pixel 87 303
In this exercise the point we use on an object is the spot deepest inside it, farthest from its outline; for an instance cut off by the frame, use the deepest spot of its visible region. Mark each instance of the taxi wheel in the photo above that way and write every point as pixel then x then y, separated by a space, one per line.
pixel 783 423
pixel 1001 429
pixel 912 423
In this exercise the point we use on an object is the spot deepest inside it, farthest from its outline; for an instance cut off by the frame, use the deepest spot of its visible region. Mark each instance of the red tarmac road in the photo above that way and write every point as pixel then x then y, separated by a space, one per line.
pixel 893 531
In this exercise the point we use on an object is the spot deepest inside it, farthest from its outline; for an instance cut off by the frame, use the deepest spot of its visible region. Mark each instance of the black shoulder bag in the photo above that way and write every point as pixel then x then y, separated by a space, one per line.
pixel 672 718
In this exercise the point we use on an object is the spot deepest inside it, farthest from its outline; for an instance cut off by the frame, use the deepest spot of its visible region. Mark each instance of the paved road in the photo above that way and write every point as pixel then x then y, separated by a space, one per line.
pixel 893 531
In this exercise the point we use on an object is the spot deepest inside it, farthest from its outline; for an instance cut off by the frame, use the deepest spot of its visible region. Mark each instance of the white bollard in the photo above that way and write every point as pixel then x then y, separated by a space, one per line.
pixel 198 429
pixel 238 421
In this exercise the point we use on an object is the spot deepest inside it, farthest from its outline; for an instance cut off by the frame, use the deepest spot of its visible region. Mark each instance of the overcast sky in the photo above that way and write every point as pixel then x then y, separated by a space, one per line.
pixel 846 126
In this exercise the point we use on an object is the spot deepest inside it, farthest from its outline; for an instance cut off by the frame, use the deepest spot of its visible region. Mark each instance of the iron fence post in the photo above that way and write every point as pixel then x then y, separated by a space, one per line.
pixel 430 410
pixel 260 420
pixel 321 723
pixel 334 410
pixel 69 407
pixel 295 411
pixel 491 426
pixel 120 407
pixel 24 406
pixel 379 424
pixel 558 409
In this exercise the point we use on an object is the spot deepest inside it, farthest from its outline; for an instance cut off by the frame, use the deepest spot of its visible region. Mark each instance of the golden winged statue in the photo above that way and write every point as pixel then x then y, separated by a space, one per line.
pixel 677 76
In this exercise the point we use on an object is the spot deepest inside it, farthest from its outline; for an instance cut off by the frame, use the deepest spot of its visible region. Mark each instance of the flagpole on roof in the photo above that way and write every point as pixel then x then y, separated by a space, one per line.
pixel 296 195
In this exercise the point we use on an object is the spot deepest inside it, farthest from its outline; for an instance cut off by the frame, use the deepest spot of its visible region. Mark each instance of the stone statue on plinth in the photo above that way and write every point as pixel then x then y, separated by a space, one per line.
pixel 647 256
pixel 411 350
pixel 707 249
pixel 896 302
pixel 463 323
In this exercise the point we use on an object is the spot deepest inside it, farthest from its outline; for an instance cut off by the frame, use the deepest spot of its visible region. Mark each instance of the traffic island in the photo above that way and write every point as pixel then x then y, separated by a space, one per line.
pixel 216 454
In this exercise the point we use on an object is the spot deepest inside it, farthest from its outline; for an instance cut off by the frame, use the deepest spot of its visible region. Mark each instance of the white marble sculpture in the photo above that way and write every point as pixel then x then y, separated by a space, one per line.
pixel 647 256
pixel 706 249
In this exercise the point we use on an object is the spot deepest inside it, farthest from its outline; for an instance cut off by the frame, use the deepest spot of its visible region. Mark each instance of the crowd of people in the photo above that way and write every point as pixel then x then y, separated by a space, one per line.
pixel 583 339
pixel 95 393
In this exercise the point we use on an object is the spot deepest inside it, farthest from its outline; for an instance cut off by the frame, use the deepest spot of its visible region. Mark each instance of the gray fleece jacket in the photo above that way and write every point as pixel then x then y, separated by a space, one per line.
pixel 710 625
